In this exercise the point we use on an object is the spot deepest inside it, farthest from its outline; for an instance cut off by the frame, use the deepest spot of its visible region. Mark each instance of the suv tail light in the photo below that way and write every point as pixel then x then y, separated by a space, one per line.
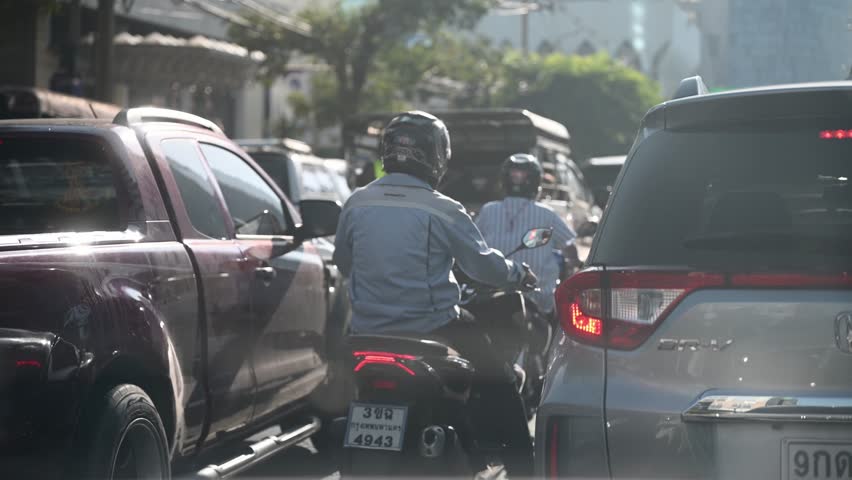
pixel 623 313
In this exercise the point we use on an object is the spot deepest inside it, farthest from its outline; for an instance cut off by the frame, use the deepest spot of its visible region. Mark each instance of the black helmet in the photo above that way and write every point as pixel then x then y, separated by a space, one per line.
pixel 418 144
pixel 521 176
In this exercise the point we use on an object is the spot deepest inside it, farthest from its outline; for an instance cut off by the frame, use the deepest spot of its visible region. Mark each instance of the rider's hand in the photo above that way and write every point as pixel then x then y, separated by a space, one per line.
pixel 529 280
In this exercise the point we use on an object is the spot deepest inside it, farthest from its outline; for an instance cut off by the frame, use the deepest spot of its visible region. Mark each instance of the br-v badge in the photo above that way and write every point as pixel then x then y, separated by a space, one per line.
pixel 843 331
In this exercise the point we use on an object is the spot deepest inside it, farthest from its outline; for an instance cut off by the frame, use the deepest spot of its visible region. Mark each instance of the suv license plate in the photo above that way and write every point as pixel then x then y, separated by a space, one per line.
pixel 377 427
pixel 806 459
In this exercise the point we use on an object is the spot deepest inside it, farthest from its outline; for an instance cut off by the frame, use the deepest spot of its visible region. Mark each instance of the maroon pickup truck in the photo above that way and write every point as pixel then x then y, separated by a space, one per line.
pixel 158 301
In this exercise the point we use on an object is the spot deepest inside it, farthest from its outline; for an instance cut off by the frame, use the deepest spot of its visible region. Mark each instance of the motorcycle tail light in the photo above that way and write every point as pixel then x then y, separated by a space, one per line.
pixel 27 363
pixel 383 358
pixel 384 384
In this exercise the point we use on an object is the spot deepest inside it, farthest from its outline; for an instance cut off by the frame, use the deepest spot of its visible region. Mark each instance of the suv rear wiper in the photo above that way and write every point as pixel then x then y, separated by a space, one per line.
pixel 772 241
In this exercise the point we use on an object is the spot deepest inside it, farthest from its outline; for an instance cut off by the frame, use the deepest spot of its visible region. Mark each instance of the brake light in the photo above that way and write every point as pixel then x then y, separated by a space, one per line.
pixel 27 363
pixel 623 315
pixel 382 384
pixel 383 358
pixel 585 323
pixel 835 134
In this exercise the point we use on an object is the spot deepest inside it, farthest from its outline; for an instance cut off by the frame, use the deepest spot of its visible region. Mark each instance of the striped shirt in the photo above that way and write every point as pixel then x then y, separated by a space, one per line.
pixel 504 223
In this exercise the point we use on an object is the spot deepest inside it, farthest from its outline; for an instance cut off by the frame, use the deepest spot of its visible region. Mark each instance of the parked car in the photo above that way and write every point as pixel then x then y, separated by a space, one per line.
pixel 301 175
pixel 710 335
pixel 295 169
pixel 601 173
pixel 481 141
pixel 340 170
pixel 160 300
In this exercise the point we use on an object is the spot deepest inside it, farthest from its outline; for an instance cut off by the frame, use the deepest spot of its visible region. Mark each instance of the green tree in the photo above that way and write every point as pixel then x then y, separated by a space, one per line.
pixel 350 41
pixel 600 100
pixel 474 62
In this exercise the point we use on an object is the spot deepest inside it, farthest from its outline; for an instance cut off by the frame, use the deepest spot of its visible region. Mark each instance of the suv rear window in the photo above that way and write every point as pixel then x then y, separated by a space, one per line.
pixel 54 185
pixel 768 197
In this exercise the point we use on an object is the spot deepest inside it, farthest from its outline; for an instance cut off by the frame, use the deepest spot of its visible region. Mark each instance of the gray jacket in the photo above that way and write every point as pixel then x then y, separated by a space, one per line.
pixel 396 241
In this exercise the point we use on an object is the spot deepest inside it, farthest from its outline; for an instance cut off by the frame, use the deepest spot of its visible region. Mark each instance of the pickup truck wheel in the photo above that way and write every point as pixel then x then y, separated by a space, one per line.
pixel 127 439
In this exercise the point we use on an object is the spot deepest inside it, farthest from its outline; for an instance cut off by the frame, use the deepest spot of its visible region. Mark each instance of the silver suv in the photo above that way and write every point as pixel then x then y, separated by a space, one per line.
pixel 710 335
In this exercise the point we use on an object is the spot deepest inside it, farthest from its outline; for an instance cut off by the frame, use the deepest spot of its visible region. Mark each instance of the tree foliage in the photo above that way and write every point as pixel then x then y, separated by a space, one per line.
pixel 350 41
pixel 600 100
pixel 378 54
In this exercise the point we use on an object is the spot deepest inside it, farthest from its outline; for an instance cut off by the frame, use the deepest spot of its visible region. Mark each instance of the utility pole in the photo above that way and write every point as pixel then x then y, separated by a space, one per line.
pixel 104 50
pixel 73 37
pixel 521 8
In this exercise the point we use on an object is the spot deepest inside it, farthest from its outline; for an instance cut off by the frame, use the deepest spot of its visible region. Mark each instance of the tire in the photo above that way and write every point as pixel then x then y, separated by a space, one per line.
pixel 125 437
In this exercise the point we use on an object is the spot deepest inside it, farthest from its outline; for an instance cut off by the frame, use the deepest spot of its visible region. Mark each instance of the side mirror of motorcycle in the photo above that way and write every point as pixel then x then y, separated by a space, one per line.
pixel 534 238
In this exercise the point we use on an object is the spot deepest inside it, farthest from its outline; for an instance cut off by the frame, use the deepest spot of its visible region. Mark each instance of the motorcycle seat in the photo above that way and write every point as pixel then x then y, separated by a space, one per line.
pixel 404 343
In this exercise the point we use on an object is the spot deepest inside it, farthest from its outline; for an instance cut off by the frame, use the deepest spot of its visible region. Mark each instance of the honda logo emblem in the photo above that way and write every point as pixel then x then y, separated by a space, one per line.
pixel 843 332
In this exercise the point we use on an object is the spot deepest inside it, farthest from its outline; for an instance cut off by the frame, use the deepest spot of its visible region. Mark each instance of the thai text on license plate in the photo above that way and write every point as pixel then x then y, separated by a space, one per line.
pixel 378 427
pixel 807 459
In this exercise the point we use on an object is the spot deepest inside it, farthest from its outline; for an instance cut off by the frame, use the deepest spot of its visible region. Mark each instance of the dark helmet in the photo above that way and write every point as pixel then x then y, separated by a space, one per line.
pixel 418 144
pixel 521 176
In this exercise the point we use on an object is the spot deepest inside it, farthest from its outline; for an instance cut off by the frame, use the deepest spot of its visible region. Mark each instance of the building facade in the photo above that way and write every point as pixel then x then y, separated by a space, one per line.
pixel 170 53
pixel 749 43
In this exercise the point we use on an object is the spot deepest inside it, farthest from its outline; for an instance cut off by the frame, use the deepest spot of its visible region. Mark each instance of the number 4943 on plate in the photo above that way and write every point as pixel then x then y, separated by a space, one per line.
pixel 377 427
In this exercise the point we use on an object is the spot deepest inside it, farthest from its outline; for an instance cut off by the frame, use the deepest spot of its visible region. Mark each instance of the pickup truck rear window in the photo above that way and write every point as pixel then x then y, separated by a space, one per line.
pixel 50 184
pixel 761 197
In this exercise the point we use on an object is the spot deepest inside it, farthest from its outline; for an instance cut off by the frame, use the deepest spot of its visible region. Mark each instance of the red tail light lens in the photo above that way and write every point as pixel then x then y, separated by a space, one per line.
pixel 27 363
pixel 623 315
pixel 578 301
pixel 634 303
pixel 383 358
pixel 382 384
pixel 835 134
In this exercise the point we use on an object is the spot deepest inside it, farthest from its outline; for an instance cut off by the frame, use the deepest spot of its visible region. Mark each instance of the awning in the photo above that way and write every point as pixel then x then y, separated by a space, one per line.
pixel 158 59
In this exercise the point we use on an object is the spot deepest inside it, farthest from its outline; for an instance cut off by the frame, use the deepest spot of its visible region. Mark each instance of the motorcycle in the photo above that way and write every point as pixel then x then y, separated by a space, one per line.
pixel 410 415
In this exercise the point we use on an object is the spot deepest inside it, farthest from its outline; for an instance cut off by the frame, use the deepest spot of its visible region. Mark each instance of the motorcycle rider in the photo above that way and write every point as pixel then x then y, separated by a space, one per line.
pixel 504 222
pixel 397 240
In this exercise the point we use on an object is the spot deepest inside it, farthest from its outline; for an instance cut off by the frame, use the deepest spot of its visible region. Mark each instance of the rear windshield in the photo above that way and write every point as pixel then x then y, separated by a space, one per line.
pixel 764 198
pixel 56 185
pixel 473 177
pixel 600 177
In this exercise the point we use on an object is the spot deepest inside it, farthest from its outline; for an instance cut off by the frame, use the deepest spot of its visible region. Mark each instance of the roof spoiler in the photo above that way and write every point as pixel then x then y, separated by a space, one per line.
pixel 133 116
pixel 690 87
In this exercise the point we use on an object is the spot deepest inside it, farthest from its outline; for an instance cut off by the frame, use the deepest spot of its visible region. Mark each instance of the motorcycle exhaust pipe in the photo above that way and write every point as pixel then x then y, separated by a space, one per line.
pixel 433 441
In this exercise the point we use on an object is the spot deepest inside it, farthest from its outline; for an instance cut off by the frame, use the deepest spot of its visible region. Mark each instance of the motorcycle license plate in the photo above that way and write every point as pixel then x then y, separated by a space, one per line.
pixel 376 427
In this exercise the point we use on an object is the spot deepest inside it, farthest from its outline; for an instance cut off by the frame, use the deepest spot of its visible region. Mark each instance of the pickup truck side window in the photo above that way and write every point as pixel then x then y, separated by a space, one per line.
pixel 50 184
pixel 196 189
pixel 252 203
